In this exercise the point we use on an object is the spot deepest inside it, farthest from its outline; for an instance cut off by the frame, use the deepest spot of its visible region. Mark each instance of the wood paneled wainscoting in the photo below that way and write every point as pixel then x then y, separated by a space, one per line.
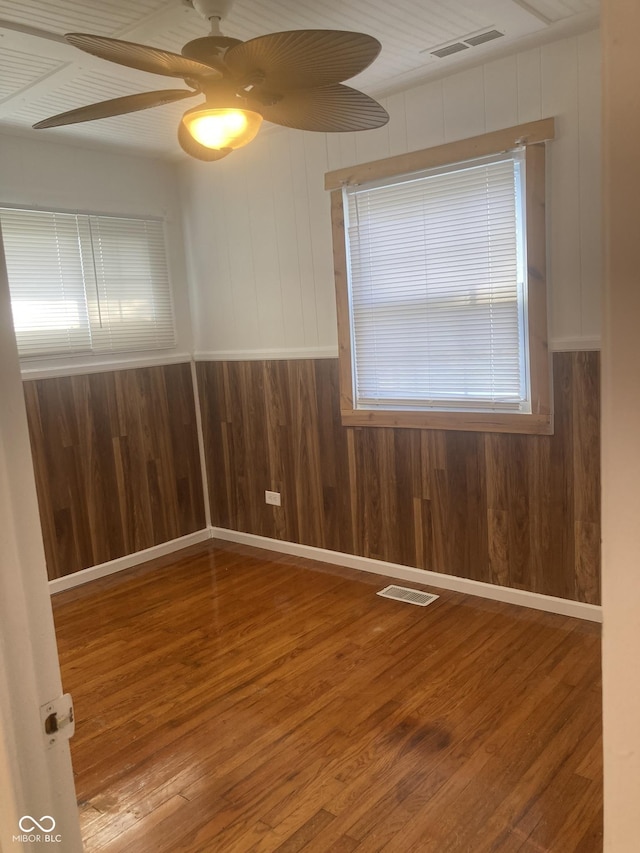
pixel 116 463
pixel 516 510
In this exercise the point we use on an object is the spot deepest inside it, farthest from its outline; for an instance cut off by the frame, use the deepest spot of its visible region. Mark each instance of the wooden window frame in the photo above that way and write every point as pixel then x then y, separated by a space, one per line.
pixel 532 136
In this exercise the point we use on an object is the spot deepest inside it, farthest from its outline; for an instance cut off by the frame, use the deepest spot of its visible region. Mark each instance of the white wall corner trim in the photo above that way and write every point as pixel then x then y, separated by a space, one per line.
pixel 521 597
pixel 128 561
pixel 81 368
pixel 266 354
pixel 575 344
pixel 201 450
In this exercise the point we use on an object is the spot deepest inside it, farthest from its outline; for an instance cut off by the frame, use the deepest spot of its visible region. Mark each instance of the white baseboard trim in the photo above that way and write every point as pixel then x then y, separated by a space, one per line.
pixel 127 562
pixel 466 586
pixel 549 603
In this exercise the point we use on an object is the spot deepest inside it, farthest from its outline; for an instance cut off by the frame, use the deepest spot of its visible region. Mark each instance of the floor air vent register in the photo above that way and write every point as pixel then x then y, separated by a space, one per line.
pixel 410 596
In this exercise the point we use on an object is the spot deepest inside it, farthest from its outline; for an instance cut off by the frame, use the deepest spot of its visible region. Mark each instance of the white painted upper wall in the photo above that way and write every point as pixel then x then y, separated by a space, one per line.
pixel 45 174
pixel 257 224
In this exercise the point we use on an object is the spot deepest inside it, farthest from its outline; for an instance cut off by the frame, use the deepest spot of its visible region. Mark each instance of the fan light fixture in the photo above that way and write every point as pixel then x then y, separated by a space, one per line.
pixel 222 128
pixel 292 78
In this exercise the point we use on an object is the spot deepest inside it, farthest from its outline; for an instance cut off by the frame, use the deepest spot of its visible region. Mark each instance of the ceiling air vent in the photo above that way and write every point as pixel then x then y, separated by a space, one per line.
pixel 441 52
pixel 482 38
pixel 464 43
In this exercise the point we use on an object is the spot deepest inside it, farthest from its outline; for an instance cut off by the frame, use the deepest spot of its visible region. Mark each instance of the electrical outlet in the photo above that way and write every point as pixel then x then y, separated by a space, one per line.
pixel 272 498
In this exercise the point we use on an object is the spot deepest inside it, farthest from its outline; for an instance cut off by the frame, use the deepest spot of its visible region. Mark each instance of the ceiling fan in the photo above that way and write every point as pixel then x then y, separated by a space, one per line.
pixel 293 78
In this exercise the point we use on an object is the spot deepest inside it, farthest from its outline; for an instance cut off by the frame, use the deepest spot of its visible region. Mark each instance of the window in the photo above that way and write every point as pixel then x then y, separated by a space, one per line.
pixel 440 280
pixel 86 284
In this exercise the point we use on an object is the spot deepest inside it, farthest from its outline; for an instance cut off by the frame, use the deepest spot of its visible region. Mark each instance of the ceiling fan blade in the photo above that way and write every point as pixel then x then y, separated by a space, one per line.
pixel 200 152
pixel 116 107
pixel 327 109
pixel 303 59
pixel 143 57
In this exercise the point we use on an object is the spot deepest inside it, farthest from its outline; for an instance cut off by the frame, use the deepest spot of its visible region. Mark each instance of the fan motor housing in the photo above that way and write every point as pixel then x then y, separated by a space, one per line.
pixel 208 47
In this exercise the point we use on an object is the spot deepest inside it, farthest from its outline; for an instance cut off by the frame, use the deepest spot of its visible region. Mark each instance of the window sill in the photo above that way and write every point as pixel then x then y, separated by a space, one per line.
pixel 535 424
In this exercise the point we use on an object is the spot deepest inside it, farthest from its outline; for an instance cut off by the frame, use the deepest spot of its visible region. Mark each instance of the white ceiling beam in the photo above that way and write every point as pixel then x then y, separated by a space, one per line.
pixel 529 8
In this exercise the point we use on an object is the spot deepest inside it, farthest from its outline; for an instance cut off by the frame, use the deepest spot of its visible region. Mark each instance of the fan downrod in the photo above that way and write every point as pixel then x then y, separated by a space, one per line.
pixel 213 11
pixel 215 44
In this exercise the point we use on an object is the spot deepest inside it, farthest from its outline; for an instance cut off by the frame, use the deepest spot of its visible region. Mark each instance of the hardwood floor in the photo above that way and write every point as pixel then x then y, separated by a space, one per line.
pixel 232 701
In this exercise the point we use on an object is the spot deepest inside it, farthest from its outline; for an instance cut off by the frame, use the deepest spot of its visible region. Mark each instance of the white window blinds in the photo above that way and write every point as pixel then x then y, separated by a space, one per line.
pixel 437 289
pixel 82 283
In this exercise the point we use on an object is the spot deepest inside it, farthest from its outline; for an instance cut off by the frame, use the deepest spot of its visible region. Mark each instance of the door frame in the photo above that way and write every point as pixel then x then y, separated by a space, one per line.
pixel 36 777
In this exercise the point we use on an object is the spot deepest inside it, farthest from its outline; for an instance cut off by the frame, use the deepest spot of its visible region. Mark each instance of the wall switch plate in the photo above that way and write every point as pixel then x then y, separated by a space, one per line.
pixel 272 498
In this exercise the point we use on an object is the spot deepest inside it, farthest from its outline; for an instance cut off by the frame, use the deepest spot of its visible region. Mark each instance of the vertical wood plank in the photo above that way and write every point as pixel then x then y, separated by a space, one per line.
pixel 276 404
pixel 315 154
pixel 519 511
pixel 284 214
pixel 262 235
pixel 464 114
pixel 476 506
pixel 586 466
pixel 242 271
pixel 334 454
pixel 497 508
pixel 541 499
pixel 529 77
pixel 303 239
pixel 560 98
pixel 389 493
pixel 424 112
pixel 373 145
pixel 117 463
pixel 396 107
pixel 356 527
pixel 557 579
pixel 501 93
pixel 306 462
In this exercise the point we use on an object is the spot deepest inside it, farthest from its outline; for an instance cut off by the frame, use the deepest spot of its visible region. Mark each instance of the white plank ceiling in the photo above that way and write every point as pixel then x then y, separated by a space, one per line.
pixel 40 75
